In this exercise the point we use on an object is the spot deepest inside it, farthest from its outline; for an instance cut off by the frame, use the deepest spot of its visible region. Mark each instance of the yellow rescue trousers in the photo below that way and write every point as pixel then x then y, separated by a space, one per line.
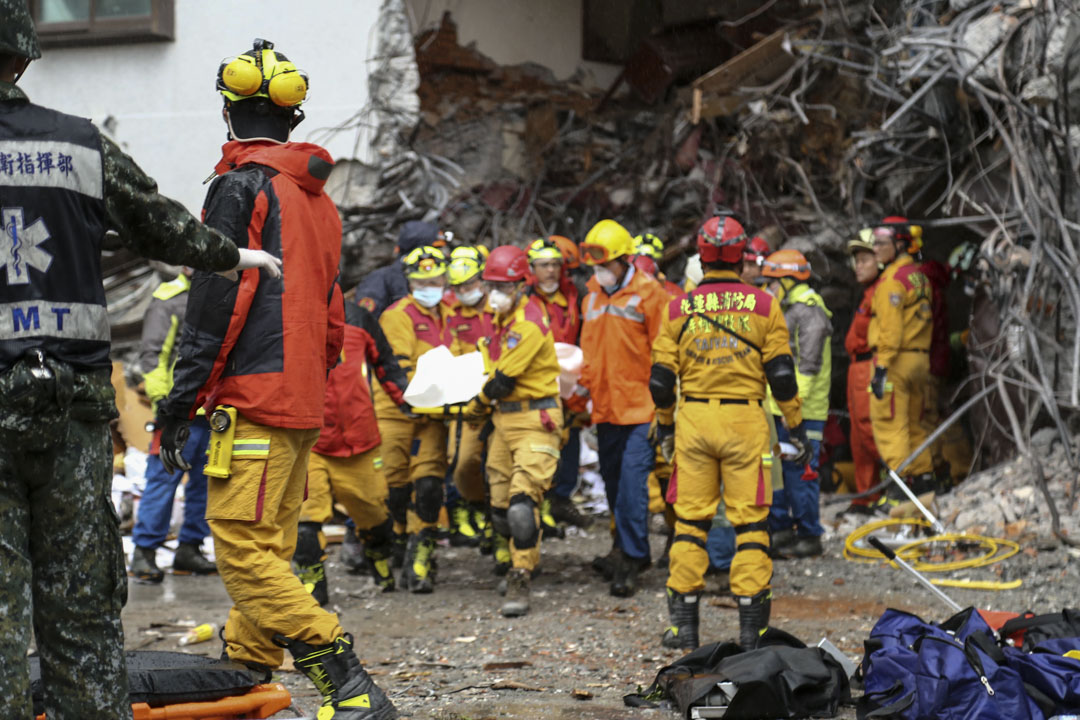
pixel 253 515
pixel 469 471
pixel 412 449
pixel 898 418
pixel 523 455
pixel 357 482
pixel 722 452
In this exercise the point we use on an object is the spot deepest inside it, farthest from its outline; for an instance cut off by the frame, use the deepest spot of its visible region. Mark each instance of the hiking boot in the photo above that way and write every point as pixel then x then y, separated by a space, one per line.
pixel 348 691
pixel 548 526
pixel 353 553
pixel 189 560
pixel 462 531
pixel 144 567
pixel 502 554
pixel 377 559
pixel 397 552
pixel 564 510
pixel 418 574
pixel 682 634
pixel 753 617
pixel 516 603
pixel 805 547
pixel 624 574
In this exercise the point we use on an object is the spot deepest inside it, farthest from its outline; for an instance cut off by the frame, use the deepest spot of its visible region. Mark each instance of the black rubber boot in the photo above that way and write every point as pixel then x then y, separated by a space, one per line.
pixel 683 614
pixel 309 559
pixel 624 574
pixel 397 550
pixel 352 553
pixel 377 558
pixel 189 560
pixel 144 567
pixel 502 554
pixel 548 526
pixel 516 603
pixel 347 690
pixel 462 531
pixel 418 575
pixel 780 541
pixel 753 617
pixel 805 547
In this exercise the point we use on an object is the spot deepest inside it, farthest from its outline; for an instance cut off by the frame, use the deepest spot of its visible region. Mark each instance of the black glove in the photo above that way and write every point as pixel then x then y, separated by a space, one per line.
pixel 877 385
pixel 174 436
pixel 802 445
pixel 665 440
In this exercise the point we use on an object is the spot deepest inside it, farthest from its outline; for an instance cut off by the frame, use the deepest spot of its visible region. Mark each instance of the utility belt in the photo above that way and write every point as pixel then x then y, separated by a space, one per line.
pixel 39 394
pixel 722 401
pixel 905 350
pixel 864 356
pixel 548 403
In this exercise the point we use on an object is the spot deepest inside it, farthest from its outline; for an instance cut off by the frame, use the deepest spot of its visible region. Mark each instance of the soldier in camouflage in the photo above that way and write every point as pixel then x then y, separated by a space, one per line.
pixel 62 185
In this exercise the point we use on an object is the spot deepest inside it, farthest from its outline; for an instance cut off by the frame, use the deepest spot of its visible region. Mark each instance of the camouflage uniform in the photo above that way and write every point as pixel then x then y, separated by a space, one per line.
pixel 60 550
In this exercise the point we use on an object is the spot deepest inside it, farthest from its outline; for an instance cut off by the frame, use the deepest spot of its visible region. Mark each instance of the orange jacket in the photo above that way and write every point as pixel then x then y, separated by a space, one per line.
pixel 857 341
pixel 616 340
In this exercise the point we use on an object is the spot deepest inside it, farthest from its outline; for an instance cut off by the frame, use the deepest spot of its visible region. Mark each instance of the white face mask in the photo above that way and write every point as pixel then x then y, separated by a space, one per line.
pixel 429 297
pixel 605 277
pixel 500 301
pixel 548 288
pixel 470 297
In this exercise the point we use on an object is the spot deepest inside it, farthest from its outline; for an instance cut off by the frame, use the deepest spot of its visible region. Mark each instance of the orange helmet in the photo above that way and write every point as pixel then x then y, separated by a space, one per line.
pixel 721 238
pixel 786 263
pixel 569 251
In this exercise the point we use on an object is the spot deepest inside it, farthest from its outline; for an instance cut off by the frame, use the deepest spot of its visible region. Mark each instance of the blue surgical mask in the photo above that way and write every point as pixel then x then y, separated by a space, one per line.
pixel 429 297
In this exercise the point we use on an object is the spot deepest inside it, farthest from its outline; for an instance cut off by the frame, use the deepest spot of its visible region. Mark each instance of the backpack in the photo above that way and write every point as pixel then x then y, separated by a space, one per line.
pixel 1030 630
pixel 781 679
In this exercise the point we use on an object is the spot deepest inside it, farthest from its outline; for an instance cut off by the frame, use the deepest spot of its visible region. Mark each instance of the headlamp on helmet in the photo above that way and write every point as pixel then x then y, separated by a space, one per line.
pixel 424 263
pixel 756 250
pixel 721 239
pixel 899 229
pixel 544 249
pixel 786 263
pixel 262 72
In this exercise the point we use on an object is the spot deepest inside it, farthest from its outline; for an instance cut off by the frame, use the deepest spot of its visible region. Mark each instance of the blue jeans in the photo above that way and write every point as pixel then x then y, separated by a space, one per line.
pixel 155 508
pixel 626 459
pixel 566 477
pixel 720 545
pixel 798 503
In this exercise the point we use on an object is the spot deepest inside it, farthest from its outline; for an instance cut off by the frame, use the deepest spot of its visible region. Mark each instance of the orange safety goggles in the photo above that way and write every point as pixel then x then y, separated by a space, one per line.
pixel 596 253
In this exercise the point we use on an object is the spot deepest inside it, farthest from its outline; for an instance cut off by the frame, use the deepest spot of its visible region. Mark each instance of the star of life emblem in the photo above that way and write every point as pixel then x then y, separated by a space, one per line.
pixel 20 246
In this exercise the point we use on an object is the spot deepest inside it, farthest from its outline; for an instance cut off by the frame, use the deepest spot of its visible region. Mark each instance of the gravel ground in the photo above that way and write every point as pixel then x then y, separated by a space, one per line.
pixel 451 655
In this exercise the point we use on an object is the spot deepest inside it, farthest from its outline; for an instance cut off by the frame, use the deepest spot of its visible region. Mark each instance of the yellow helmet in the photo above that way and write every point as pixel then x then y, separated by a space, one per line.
pixel 649 245
pixel 262 72
pixel 606 241
pixel 544 249
pixel 865 241
pixel 425 262
pixel 466 262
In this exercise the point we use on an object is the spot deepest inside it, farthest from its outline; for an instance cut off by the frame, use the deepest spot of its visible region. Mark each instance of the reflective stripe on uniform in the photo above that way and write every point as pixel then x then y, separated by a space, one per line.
pixel 52 164
pixel 46 318
pixel 258 447
pixel 627 312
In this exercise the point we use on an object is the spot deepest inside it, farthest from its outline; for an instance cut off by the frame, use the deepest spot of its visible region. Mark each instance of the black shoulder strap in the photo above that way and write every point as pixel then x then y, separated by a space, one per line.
pixel 719 326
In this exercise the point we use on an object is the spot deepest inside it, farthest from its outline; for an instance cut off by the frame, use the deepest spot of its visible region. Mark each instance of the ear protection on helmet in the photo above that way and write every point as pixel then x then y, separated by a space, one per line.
pixel 262 72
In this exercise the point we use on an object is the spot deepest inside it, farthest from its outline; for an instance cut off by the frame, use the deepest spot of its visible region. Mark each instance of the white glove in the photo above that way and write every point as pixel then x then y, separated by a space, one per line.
pixel 255 259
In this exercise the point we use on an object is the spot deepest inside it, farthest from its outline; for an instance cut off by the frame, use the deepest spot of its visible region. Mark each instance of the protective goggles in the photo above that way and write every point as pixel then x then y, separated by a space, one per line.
pixel 596 253
pixel 262 73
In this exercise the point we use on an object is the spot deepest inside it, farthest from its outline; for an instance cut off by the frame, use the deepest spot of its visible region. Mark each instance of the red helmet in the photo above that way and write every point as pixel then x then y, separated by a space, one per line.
pixel 506 263
pixel 646 264
pixel 756 250
pixel 721 239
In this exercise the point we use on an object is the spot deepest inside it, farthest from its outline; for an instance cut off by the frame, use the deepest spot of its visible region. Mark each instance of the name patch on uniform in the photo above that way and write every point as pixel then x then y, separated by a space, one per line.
pixel 35 163
pixel 41 318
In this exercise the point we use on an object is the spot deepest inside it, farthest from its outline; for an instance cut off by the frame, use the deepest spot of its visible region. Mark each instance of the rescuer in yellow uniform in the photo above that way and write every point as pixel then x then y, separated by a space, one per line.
pixel 901 327
pixel 722 343
pixel 522 390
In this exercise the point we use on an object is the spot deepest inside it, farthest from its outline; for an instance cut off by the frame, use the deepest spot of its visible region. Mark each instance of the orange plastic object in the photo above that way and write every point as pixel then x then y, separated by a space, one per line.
pixel 260 702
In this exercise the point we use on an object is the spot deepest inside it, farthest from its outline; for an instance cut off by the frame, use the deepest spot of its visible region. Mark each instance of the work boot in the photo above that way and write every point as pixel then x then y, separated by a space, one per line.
pixel 418 574
pixel 564 510
pixel 190 560
pixel 548 526
pixel 462 532
pixel 924 483
pixel 482 523
pixel 313 578
pixel 805 547
pixel 605 564
pixel 353 553
pixel 682 634
pixel 753 617
pixel 309 559
pixel 377 559
pixel 502 554
pixel 348 691
pixel 397 552
pixel 144 567
pixel 516 603
pixel 624 574
pixel 779 542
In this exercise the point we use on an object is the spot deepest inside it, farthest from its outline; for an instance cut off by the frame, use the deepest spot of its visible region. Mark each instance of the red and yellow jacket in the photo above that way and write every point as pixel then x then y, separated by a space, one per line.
pixel 412 330
pixel 563 311
pixel 349 426
pixel 616 340
pixel 468 324
pixel 523 348
pixel 901 317
pixel 261 345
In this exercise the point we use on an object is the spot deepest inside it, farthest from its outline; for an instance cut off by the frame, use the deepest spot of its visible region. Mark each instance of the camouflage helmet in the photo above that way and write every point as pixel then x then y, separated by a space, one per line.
pixel 17 34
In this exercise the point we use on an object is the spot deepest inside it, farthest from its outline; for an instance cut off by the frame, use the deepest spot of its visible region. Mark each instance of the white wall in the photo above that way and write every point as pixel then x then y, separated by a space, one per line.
pixel 547 32
pixel 168 115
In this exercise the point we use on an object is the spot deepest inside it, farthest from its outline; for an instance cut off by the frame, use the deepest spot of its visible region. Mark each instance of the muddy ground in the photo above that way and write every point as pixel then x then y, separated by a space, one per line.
pixel 452 656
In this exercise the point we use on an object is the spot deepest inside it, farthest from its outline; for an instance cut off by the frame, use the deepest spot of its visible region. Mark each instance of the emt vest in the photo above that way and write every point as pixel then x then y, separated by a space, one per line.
pixel 52 211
